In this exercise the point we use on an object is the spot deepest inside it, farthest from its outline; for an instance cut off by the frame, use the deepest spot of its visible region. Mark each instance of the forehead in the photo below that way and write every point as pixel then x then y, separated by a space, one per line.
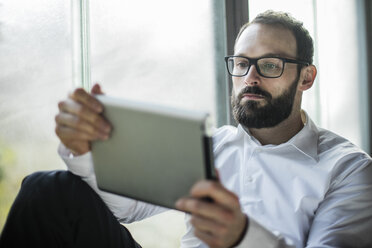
pixel 260 39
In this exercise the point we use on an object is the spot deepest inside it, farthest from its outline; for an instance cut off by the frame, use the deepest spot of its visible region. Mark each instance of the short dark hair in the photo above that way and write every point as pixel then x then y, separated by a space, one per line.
pixel 305 45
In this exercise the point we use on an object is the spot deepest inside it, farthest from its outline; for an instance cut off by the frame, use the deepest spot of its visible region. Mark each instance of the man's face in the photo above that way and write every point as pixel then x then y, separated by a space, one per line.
pixel 260 102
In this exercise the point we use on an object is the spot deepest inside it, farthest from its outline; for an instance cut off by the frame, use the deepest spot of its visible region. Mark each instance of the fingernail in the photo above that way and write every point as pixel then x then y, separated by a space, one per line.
pixel 106 128
pixel 98 108
pixel 104 136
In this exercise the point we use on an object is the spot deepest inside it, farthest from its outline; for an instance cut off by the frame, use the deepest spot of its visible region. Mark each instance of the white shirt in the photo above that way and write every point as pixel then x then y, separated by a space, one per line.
pixel 313 191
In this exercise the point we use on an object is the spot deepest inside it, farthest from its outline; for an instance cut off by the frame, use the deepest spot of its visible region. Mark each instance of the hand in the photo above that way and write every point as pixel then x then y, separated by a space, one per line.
pixel 219 223
pixel 79 121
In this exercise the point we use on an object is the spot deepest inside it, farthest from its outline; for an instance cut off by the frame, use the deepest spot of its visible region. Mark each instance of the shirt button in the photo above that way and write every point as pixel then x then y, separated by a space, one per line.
pixel 249 179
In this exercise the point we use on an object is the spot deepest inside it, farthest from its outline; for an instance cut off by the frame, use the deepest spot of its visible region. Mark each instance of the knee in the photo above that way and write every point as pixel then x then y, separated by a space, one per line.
pixel 46 178
pixel 47 185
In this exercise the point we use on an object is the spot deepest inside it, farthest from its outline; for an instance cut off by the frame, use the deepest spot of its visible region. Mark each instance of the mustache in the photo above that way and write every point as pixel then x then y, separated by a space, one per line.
pixel 254 90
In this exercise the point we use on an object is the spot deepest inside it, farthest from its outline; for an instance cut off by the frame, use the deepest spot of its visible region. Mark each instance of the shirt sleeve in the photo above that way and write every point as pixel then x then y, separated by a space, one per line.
pixel 126 210
pixel 344 218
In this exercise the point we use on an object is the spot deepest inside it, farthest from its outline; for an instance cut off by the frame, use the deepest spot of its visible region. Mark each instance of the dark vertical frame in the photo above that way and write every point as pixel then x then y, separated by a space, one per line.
pixel 219 25
pixel 236 16
pixel 368 21
pixel 229 16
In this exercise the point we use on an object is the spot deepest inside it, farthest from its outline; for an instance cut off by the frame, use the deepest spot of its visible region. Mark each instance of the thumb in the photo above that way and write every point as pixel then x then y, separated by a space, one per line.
pixel 217 174
pixel 96 89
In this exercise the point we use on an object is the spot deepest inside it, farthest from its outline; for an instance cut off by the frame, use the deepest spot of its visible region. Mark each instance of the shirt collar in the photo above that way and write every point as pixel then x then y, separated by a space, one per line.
pixel 305 141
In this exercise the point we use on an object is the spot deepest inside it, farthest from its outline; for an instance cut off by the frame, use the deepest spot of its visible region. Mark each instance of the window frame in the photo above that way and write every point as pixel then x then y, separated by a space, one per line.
pixel 368 29
pixel 229 17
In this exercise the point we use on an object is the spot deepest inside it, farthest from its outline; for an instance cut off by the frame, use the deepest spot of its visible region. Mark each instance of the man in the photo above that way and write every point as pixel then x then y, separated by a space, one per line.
pixel 283 181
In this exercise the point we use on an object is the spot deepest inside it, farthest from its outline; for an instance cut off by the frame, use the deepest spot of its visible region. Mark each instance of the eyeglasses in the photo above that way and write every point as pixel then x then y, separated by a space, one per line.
pixel 268 67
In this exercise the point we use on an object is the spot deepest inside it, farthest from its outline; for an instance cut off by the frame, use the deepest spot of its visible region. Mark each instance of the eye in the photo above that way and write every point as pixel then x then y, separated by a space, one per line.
pixel 269 66
pixel 241 63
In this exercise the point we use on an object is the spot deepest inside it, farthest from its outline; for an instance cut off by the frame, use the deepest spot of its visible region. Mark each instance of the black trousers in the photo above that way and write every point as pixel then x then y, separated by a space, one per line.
pixel 58 209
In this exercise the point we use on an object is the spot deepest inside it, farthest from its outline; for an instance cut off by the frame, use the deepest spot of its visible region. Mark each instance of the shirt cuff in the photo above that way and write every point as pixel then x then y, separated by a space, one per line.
pixel 258 236
pixel 81 165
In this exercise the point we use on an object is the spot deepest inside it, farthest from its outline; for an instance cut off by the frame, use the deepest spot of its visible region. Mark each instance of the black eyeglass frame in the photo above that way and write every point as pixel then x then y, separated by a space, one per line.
pixel 254 62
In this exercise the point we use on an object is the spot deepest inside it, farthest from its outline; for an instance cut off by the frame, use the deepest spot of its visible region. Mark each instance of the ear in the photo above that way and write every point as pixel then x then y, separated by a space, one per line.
pixel 307 77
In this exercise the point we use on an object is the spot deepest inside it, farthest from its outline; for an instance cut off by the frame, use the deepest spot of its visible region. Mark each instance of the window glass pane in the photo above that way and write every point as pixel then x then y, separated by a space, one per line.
pixel 157 51
pixel 35 73
pixel 343 71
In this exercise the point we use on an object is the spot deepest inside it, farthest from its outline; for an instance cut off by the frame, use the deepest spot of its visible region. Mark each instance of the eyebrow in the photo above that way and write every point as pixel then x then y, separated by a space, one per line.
pixel 267 55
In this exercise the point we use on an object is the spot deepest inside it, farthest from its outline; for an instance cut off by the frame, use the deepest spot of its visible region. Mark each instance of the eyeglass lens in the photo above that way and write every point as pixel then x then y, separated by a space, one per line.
pixel 267 67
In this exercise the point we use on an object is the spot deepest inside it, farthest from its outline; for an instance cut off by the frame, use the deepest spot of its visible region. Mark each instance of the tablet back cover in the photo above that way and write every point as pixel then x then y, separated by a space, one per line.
pixel 154 154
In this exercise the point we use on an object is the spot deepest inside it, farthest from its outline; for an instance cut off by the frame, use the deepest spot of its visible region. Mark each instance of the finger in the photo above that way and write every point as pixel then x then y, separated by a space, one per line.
pixel 86 114
pixel 96 89
pixel 78 147
pixel 79 110
pixel 209 239
pixel 74 122
pixel 88 100
pixel 203 209
pixel 218 235
pixel 67 134
pixel 215 190
pixel 217 174
pixel 208 226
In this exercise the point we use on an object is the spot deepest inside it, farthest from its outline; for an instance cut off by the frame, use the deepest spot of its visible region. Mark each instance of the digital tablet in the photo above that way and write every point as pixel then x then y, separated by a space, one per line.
pixel 155 153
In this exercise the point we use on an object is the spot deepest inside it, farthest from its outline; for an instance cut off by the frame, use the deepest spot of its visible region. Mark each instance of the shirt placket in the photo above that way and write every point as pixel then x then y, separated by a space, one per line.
pixel 250 199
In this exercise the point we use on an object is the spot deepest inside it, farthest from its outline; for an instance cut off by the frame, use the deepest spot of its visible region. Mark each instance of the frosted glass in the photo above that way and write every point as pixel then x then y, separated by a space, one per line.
pixel 343 70
pixel 35 74
pixel 155 51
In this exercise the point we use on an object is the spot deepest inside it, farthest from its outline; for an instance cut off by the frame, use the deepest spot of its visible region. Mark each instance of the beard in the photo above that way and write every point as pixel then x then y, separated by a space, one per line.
pixel 276 110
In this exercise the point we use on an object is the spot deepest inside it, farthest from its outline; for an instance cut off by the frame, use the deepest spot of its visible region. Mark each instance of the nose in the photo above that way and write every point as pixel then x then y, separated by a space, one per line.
pixel 252 77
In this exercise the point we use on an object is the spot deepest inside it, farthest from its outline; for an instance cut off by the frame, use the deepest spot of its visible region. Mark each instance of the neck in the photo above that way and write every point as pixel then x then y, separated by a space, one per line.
pixel 282 132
